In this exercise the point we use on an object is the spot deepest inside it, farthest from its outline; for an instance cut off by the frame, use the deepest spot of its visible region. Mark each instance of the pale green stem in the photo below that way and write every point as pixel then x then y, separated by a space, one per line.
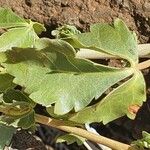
pixel 59 124
pixel 143 51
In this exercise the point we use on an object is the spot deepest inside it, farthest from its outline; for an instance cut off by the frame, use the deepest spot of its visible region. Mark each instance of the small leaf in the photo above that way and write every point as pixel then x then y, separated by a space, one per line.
pixel 23 121
pixel 27 121
pixel 6 82
pixel 38 28
pixel 15 103
pixel 9 19
pixel 111 39
pixel 144 142
pixel 6 133
pixel 70 138
pixel 16 108
pixel 15 95
pixel 116 103
pixel 18 37
pixel 65 31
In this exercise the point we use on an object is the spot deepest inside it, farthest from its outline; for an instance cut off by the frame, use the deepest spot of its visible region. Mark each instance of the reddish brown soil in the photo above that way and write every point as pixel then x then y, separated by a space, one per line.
pixel 82 13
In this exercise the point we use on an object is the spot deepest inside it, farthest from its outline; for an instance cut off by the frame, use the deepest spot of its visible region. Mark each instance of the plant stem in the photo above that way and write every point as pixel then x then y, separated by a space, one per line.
pixel 143 51
pixel 144 65
pixel 59 124
pixel 91 54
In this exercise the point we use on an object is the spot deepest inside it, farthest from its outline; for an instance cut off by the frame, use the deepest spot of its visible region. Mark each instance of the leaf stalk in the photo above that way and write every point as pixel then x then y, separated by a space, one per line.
pixel 59 124
pixel 143 51
pixel 144 65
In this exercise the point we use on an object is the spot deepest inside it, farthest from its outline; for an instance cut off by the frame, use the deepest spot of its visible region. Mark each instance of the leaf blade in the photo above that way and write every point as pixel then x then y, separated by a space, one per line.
pixel 6 82
pixel 17 37
pixel 9 19
pixel 113 39
pixel 67 81
pixel 109 108
pixel 6 135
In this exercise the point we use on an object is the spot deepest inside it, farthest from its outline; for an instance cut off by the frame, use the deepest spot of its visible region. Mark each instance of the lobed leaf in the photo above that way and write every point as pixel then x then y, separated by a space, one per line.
pixel 20 33
pixel 54 76
pixel 50 73
pixel 116 104
pixel 111 39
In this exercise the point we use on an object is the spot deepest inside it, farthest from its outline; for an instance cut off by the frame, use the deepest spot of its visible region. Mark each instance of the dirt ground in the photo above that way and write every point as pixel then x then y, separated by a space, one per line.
pixel 83 13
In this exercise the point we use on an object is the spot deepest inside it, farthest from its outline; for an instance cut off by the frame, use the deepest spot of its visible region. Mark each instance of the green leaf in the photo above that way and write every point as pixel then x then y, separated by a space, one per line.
pixel 65 31
pixel 15 95
pixel 23 121
pixel 111 39
pixel 6 133
pixel 20 33
pixel 28 121
pixel 6 82
pixel 70 139
pixel 144 142
pixel 50 110
pixel 18 37
pixel 38 28
pixel 55 45
pixel 116 103
pixel 54 76
pixel 17 109
pixel 15 103
pixel 9 19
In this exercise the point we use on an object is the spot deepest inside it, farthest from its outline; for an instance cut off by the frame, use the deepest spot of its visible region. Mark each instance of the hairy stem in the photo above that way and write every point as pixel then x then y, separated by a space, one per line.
pixel 92 54
pixel 143 51
pixel 59 124
pixel 144 65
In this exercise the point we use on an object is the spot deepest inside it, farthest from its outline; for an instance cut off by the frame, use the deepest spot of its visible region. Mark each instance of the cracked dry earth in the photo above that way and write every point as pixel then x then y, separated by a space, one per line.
pixel 83 13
